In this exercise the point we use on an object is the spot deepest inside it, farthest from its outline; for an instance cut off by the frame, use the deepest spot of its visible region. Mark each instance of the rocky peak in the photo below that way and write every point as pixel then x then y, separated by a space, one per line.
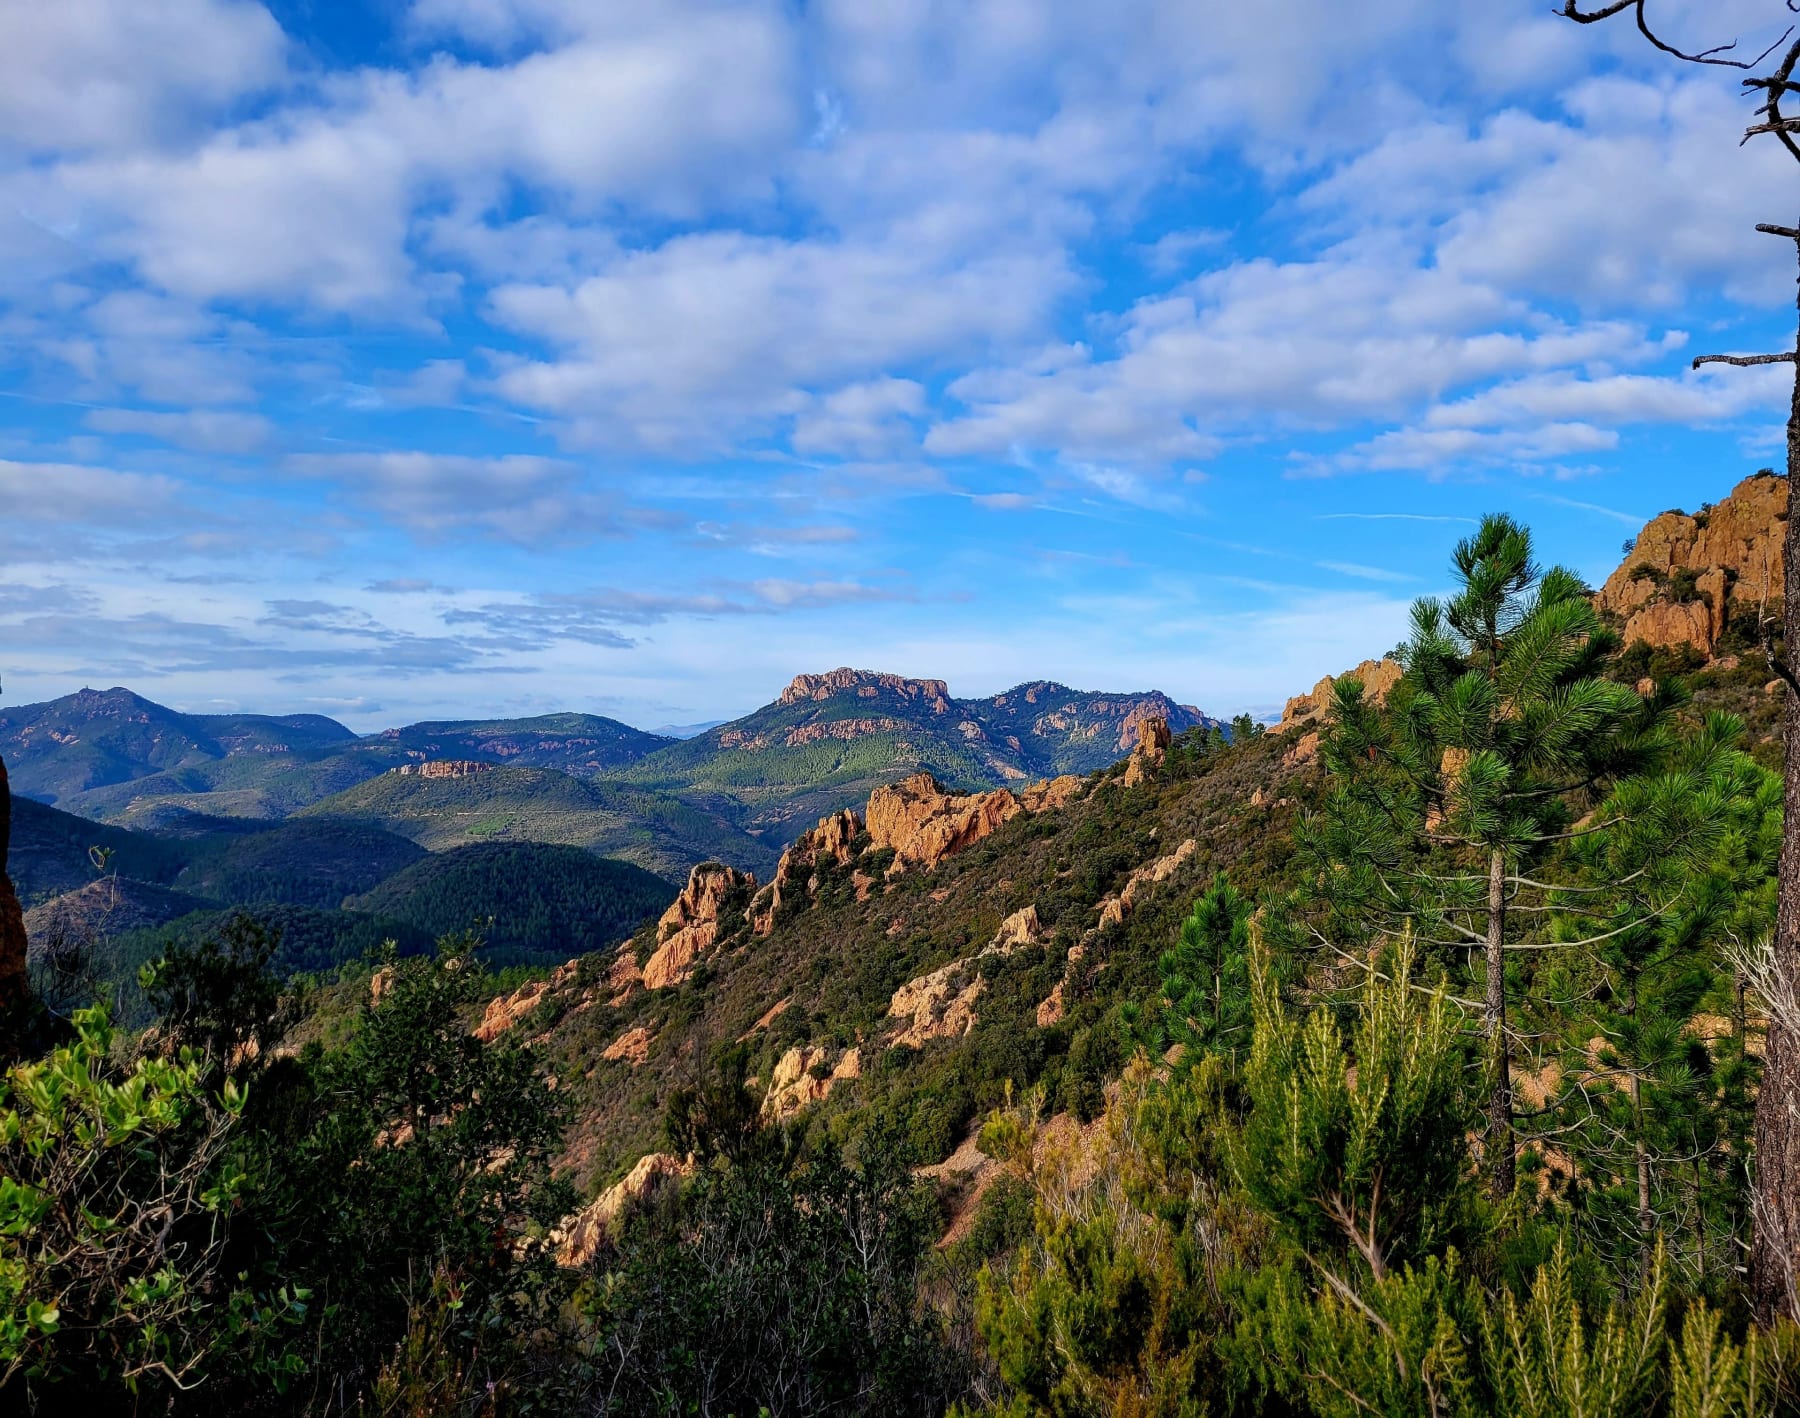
pixel 1687 575
pixel 444 768
pixel 830 840
pixel 1378 680
pixel 924 824
pixel 867 684
pixel 693 923
pixel 1153 740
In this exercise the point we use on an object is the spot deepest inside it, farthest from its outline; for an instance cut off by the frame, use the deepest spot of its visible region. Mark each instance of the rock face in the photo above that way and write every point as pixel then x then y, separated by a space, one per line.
pixel 924 824
pixel 940 1005
pixel 1731 554
pixel 1115 909
pixel 692 924
pixel 830 840
pixel 632 1047
pixel 1152 743
pixel 867 684
pixel 1051 793
pixel 1378 680
pixel 582 1234
pixel 14 985
pixel 1019 929
pixel 444 768
pixel 806 1074
pixel 504 1011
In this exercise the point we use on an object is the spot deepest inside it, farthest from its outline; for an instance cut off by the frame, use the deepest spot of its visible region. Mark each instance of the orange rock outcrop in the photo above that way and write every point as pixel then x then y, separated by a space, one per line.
pixel 1733 550
pixel 444 768
pixel 1115 909
pixel 804 1075
pixel 831 839
pixel 940 1005
pixel 866 684
pixel 580 1237
pixel 924 824
pixel 691 926
pixel 1378 680
pixel 1051 793
pixel 1152 743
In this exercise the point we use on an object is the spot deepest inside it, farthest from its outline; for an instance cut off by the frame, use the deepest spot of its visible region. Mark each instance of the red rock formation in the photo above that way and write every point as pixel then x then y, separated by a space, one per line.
pixel 1051 793
pixel 1378 680
pixel 632 1047
pixel 1733 550
pixel 867 684
pixel 581 1235
pixel 830 839
pixel 845 729
pixel 691 925
pixel 1152 743
pixel 1116 908
pixel 14 983
pixel 504 1011
pixel 443 768
pixel 924 824
pixel 940 1005
pixel 806 1074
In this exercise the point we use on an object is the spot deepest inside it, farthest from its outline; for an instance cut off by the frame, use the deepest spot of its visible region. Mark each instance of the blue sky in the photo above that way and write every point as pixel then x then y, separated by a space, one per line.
pixel 468 357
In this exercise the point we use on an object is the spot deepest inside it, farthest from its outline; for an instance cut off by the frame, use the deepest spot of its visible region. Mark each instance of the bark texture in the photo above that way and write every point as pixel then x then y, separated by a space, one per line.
pixel 1775 1241
pixel 1500 1129
pixel 13 986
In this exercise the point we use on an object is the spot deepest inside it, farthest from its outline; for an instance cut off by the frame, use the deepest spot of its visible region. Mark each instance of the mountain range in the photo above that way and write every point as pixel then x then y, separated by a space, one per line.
pixel 116 757
pixel 194 814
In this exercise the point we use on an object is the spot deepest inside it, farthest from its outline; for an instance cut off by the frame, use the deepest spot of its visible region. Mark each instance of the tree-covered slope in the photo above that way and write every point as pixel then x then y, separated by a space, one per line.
pixel 50 852
pixel 580 744
pixel 651 829
pixel 531 900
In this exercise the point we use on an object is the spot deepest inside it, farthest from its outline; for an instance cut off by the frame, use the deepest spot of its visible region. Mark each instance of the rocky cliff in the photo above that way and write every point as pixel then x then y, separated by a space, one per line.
pixel 1688 576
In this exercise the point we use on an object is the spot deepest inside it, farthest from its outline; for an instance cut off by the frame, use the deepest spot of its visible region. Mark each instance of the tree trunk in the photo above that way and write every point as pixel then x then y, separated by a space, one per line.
pixel 1500 1133
pixel 1775 1234
pixel 13 986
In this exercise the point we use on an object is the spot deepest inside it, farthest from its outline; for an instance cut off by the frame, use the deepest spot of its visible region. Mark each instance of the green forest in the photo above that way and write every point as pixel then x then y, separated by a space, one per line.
pixel 1442 1099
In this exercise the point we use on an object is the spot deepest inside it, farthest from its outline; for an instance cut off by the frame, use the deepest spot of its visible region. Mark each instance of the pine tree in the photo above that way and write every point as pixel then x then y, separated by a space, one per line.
pixel 1502 729
pixel 1206 976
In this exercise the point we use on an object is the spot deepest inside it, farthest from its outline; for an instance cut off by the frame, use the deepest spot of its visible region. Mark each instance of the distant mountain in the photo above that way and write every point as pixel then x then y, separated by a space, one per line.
pixel 476 803
pixel 582 744
pixel 544 902
pixel 115 756
pixel 687 731
pixel 831 738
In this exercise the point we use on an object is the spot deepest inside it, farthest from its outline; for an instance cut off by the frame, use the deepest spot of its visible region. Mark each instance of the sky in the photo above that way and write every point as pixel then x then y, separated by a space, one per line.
pixel 462 358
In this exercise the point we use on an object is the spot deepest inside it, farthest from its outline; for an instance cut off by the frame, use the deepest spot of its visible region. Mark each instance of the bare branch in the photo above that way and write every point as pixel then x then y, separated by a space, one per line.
pixel 1744 361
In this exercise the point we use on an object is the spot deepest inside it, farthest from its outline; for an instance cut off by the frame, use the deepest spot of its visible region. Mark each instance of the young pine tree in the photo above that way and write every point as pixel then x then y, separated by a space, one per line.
pixel 1500 734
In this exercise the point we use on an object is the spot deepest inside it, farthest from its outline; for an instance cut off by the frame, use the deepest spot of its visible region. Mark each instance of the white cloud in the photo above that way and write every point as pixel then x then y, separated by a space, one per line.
pixel 86 75
pixel 201 430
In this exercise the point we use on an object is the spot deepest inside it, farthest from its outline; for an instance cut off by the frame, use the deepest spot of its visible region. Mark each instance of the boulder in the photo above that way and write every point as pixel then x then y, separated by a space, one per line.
pixel 632 1047
pixel 923 824
pixel 1020 928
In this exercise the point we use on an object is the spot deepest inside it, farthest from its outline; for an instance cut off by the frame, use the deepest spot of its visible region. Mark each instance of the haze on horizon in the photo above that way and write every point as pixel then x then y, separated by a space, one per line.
pixel 477 357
